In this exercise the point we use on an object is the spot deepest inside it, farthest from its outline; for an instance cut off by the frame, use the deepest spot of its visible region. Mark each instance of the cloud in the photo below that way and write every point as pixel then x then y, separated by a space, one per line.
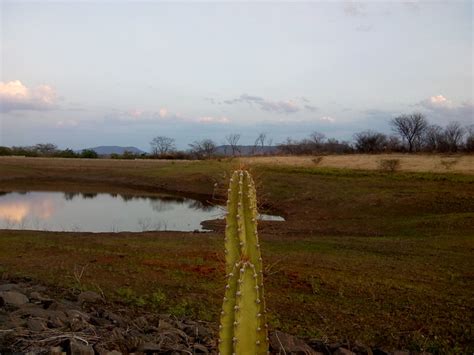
pixel 328 119
pixel 163 115
pixel 311 108
pixel 379 113
pixel 210 119
pixel 365 28
pixel 287 107
pixel 443 109
pixel 435 102
pixel 67 123
pixel 412 6
pixel 352 8
pixel 142 116
pixel 16 96
pixel 210 99
pixel 163 112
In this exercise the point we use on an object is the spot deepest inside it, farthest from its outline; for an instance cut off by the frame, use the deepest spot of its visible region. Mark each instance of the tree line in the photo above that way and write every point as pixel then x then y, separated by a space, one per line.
pixel 410 133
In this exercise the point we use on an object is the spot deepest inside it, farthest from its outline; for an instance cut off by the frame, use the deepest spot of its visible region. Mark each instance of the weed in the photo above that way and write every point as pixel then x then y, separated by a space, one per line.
pixel 157 299
pixel 317 160
pixel 182 309
pixel 449 163
pixel 128 296
pixel 315 285
pixel 389 165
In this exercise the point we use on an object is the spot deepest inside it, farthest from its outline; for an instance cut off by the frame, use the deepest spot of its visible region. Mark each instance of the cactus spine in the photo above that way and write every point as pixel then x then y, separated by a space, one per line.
pixel 243 329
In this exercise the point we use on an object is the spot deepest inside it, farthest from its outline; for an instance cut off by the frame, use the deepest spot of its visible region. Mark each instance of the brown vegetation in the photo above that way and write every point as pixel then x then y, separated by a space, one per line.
pixel 384 259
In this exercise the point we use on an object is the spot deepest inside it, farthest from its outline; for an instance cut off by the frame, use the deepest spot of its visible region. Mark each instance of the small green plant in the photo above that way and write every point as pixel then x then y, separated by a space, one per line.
pixel 389 165
pixel 157 299
pixel 243 328
pixel 181 309
pixel 128 296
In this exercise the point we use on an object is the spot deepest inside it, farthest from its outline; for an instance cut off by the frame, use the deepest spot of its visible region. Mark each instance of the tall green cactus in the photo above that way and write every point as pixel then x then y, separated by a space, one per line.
pixel 243 329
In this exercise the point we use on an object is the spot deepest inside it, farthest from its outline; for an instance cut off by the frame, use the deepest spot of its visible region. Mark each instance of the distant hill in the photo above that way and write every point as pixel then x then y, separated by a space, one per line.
pixel 246 150
pixel 114 149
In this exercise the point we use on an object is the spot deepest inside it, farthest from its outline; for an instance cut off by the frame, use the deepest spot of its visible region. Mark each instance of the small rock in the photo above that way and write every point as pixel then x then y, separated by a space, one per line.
pixel 198 348
pixel 13 298
pixel 378 351
pixel 57 319
pixel 56 350
pixel 113 352
pixel 10 287
pixel 319 346
pixel 78 348
pixel 36 325
pixel 35 296
pixel 73 313
pixel 286 343
pixel 195 330
pixel 101 322
pixel 115 318
pixel 149 347
pixel 343 351
pixel 162 324
pixel 89 297
pixel 32 310
pixel 202 332
pixel 334 346
pixel 361 349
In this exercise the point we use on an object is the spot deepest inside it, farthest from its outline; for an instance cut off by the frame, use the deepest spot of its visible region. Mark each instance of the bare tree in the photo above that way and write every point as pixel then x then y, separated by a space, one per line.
pixel 453 134
pixel 162 145
pixel 393 144
pixel 469 144
pixel 203 149
pixel 289 146
pixel 433 138
pixel 233 140
pixel 260 142
pixel 370 141
pixel 410 128
pixel 316 139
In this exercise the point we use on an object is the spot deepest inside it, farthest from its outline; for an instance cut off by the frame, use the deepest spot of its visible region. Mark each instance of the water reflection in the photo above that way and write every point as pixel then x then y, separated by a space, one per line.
pixel 101 212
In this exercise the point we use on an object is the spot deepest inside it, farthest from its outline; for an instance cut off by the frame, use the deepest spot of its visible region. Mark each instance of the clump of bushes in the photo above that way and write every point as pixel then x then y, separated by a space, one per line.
pixel 389 165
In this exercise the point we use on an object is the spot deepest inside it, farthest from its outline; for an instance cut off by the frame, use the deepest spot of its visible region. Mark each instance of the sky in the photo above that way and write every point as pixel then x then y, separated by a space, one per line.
pixel 87 73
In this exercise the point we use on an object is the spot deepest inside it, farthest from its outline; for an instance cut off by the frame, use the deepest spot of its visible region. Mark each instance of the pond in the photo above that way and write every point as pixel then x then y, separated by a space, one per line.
pixel 105 212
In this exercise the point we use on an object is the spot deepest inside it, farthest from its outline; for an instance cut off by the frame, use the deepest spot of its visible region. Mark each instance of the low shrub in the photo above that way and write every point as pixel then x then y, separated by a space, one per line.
pixel 389 165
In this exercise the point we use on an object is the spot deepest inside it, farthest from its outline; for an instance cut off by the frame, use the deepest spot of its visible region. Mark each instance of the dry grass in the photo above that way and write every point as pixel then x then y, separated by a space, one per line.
pixel 412 163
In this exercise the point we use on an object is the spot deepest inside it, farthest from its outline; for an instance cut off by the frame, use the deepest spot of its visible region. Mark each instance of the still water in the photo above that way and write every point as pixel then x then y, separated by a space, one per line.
pixel 104 212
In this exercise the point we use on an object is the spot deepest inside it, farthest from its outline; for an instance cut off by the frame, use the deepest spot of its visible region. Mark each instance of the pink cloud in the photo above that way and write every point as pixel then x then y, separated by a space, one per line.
pixel 14 95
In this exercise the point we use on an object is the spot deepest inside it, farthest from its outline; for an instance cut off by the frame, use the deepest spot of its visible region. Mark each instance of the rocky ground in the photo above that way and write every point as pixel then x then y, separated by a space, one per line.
pixel 34 321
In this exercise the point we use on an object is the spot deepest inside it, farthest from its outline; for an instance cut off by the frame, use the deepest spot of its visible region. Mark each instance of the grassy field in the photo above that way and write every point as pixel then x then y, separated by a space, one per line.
pixel 385 259
pixel 434 163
